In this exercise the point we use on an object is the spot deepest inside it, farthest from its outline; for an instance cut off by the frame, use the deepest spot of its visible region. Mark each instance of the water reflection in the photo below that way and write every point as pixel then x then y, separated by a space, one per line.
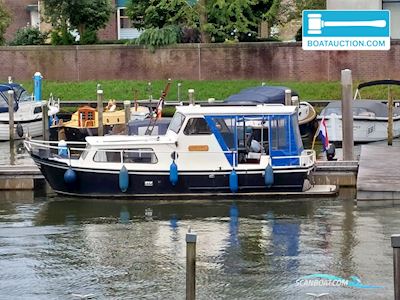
pixel 246 250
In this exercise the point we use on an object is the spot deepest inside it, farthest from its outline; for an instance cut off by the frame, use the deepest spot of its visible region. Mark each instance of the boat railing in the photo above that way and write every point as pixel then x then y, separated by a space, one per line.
pixel 74 150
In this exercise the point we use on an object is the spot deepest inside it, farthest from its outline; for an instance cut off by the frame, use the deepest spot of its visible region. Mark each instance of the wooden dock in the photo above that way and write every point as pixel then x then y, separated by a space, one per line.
pixel 19 177
pixel 379 173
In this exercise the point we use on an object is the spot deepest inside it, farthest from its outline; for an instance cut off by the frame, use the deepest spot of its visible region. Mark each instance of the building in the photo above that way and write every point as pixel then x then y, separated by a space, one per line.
pixel 28 13
pixel 392 5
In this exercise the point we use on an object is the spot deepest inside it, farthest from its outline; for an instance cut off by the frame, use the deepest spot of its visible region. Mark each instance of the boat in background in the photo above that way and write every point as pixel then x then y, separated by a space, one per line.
pixel 84 122
pixel 370 117
pixel 206 150
pixel 276 95
pixel 27 112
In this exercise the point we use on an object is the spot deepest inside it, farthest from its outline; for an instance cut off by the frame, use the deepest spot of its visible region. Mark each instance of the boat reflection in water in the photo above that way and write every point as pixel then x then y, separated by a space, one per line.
pixel 245 250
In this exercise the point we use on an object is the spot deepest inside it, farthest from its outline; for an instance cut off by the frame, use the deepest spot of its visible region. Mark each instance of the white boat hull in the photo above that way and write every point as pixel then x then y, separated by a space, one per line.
pixel 364 130
pixel 32 128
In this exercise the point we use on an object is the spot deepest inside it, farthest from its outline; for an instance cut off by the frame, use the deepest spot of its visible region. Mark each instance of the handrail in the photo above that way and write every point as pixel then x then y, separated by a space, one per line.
pixel 306 159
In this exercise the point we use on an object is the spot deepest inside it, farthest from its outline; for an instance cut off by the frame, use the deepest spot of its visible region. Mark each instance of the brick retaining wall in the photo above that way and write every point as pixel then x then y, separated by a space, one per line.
pixel 264 61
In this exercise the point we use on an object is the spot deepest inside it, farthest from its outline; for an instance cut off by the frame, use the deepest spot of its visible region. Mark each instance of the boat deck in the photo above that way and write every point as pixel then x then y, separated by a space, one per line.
pixel 378 173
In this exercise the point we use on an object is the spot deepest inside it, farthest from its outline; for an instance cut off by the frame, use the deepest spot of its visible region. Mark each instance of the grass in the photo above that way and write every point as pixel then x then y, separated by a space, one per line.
pixel 125 89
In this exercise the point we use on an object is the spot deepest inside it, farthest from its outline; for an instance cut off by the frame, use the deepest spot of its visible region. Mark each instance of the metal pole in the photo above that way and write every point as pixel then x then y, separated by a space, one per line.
pixel 127 108
pixel 390 118
pixel 288 97
pixel 11 114
pixel 45 120
pixel 100 130
pixel 191 239
pixel 396 265
pixel 191 96
pixel 179 91
pixel 347 115
pixel 37 80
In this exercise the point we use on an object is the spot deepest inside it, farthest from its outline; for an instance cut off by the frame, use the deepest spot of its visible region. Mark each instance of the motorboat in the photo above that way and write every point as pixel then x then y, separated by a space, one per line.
pixel 85 122
pixel 276 95
pixel 370 117
pixel 206 149
pixel 27 112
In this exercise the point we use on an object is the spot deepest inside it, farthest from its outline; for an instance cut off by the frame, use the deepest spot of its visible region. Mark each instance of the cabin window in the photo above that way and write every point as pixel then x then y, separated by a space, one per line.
pixel 176 122
pixel 226 127
pixel 107 156
pixel 197 126
pixel 37 110
pixel 279 138
pixel 142 156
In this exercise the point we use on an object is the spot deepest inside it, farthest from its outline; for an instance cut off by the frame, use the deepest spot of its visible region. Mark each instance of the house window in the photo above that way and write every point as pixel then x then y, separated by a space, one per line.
pixel 126 28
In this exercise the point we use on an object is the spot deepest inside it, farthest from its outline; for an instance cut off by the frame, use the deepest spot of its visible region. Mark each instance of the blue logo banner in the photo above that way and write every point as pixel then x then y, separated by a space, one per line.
pixel 346 29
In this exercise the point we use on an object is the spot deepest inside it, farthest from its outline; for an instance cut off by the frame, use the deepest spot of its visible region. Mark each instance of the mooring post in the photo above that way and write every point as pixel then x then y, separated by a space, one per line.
pixel 127 109
pixel 10 79
pixel 288 97
pixel 396 265
pixel 37 86
pixel 11 113
pixel 100 130
pixel 347 115
pixel 191 240
pixel 179 91
pixel 45 120
pixel 390 118
pixel 191 96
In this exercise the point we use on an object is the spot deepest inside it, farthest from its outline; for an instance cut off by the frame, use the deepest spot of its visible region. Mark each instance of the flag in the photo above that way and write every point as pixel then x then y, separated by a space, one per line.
pixel 159 108
pixel 323 134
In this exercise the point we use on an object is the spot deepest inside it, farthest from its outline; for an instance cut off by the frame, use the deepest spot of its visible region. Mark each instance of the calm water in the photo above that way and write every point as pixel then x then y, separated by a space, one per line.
pixel 55 248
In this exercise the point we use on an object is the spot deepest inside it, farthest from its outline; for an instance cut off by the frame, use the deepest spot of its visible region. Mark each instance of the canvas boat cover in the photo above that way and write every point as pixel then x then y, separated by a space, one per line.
pixel 260 95
pixel 360 108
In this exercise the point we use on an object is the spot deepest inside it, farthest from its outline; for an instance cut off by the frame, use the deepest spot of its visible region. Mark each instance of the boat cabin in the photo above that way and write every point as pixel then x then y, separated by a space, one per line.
pixel 244 134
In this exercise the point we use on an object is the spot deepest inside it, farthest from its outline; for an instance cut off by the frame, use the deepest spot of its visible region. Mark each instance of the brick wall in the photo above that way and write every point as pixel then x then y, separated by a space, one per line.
pixel 20 16
pixel 263 61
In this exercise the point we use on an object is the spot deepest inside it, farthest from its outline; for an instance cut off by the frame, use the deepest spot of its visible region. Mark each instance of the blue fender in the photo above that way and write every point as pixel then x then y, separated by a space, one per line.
pixel 123 179
pixel 70 176
pixel 233 181
pixel 173 173
pixel 269 176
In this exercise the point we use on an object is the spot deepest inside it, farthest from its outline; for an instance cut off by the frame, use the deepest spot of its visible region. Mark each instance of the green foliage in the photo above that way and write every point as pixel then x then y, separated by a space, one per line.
pixel 89 37
pixel 156 37
pixel 29 36
pixel 80 15
pixel 238 19
pixel 5 21
pixel 62 37
pixel 147 14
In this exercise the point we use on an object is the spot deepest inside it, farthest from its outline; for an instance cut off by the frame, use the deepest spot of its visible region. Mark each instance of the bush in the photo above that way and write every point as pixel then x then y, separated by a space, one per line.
pixel 88 37
pixel 157 37
pixel 29 36
pixel 63 37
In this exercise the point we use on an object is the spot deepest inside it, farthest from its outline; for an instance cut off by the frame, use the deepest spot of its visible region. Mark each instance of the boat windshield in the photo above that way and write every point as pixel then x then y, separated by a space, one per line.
pixel 176 122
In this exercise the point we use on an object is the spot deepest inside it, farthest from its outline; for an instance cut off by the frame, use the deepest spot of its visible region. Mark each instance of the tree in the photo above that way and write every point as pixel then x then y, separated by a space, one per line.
pixel 85 16
pixel 147 14
pixel 239 19
pixel 5 20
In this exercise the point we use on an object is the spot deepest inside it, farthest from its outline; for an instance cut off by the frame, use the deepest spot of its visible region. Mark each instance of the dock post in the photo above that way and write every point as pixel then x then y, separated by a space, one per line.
pixel 390 118
pixel 179 92
pixel 191 240
pixel 347 115
pixel 127 109
pixel 191 96
pixel 11 114
pixel 288 97
pixel 100 130
pixel 45 120
pixel 395 238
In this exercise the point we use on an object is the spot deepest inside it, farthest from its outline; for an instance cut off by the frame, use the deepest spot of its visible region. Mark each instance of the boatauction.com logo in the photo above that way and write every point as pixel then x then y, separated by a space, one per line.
pixel 327 280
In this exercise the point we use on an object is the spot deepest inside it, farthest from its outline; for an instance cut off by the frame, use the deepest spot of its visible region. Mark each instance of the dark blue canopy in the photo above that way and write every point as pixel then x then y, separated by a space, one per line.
pixel 260 95
pixel 4 88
